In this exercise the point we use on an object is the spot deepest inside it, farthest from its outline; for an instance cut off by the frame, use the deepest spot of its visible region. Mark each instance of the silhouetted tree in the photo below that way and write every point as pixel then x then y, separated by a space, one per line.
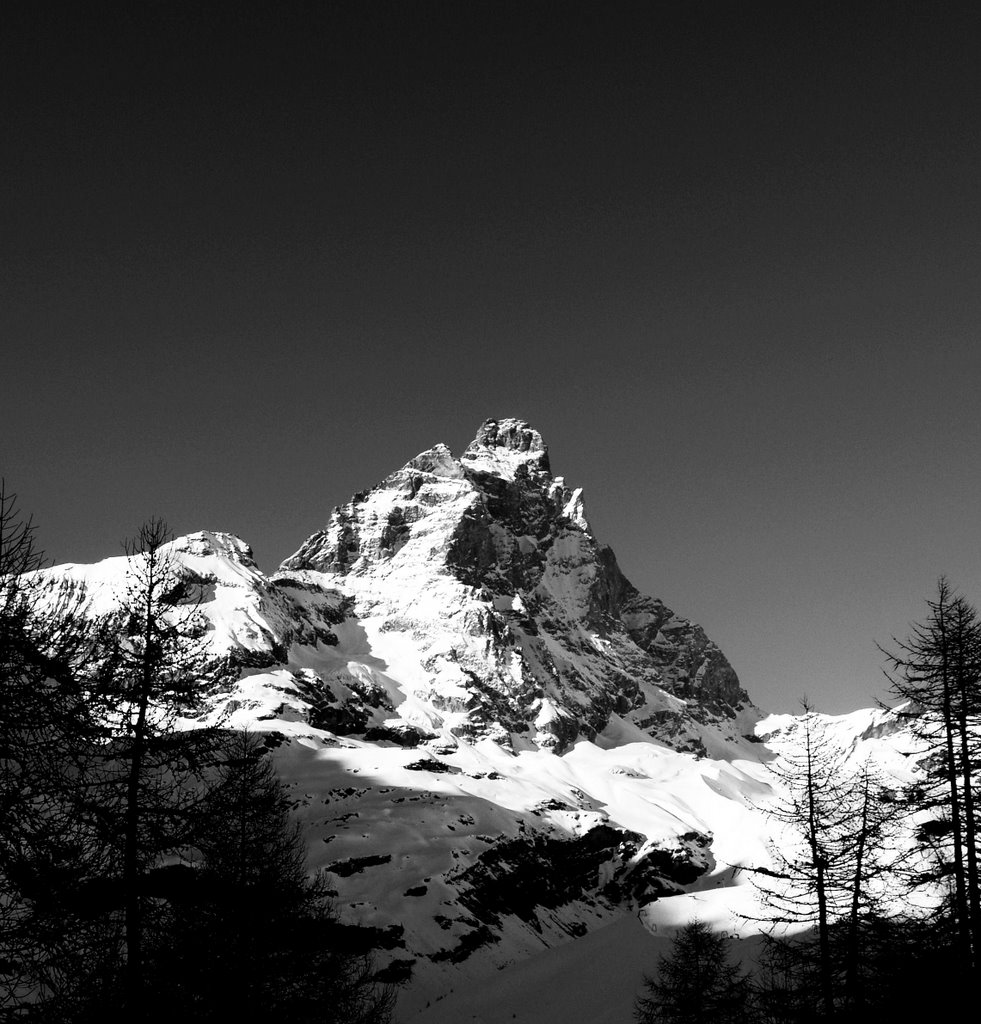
pixel 54 944
pixel 695 983
pixel 135 875
pixel 152 673
pixel 937 671
pixel 253 937
pixel 815 812
pixel 868 859
pixel 906 968
pixel 839 821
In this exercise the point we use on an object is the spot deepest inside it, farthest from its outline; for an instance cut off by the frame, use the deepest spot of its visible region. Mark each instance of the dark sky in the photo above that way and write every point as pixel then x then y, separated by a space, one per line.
pixel 725 256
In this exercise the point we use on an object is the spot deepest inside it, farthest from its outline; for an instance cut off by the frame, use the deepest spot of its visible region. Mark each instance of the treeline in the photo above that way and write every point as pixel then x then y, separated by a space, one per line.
pixel 876 896
pixel 147 871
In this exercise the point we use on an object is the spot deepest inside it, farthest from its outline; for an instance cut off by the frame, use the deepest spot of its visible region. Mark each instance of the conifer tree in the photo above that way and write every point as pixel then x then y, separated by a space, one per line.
pixel 152 673
pixel 936 671
pixel 255 938
pixel 695 983
pixel 53 945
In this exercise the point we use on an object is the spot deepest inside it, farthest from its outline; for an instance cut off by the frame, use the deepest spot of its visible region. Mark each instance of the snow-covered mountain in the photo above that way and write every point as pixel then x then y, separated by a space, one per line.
pixel 496 744
pixel 483 574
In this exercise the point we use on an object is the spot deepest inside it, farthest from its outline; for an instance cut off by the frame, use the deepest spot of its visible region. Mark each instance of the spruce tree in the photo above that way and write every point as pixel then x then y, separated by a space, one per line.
pixel 254 937
pixel 695 983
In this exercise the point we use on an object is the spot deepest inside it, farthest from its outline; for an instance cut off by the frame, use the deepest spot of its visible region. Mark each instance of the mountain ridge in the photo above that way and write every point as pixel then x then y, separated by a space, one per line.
pixel 493 741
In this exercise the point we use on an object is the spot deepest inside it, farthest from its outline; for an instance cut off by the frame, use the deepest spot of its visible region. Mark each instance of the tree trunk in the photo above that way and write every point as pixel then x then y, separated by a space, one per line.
pixel 949 726
pixel 131 866
pixel 964 678
pixel 818 862
pixel 852 955
pixel 131 862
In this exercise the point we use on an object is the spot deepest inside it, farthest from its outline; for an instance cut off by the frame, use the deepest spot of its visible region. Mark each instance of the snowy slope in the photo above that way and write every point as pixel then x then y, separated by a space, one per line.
pixel 496 744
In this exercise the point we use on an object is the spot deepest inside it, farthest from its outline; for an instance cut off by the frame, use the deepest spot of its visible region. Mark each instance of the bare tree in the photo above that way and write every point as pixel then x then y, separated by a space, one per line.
pixel 839 821
pixel 812 807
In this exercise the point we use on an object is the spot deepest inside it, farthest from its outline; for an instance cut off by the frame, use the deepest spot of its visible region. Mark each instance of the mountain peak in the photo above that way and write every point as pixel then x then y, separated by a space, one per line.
pixel 514 434
pixel 205 543
pixel 502 445
pixel 522 626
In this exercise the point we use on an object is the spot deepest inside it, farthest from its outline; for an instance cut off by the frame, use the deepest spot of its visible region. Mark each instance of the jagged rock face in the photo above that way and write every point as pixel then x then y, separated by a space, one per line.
pixel 524 628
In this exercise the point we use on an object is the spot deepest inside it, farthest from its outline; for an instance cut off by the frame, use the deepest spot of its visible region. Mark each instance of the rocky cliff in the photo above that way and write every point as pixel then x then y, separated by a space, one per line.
pixel 523 626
